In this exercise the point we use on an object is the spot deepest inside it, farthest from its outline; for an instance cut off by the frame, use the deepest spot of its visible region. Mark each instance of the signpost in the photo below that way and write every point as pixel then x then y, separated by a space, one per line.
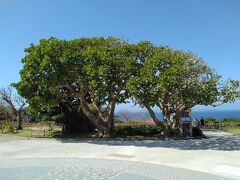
pixel 186 123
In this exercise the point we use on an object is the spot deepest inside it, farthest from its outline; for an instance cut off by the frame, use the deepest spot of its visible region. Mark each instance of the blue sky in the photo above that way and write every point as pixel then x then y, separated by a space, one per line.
pixel 209 28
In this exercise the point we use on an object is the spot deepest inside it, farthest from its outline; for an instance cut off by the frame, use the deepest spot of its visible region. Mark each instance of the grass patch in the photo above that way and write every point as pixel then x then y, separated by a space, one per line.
pixel 231 122
pixel 40 130
pixel 134 123
pixel 28 133
pixel 232 130
pixel 79 135
pixel 231 125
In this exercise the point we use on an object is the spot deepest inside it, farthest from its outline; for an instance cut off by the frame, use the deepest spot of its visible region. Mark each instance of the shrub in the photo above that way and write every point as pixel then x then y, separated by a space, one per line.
pixel 231 122
pixel 116 120
pixel 136 131
pixel 174 132
pixel 7 127
pixel 1 127
pixel 210 120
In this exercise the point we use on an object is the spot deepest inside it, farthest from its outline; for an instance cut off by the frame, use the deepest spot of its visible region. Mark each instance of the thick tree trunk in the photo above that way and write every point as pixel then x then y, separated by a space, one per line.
pixel 103 122
pixel 166 119
pixel 154 118
pixel 109 121
pixel 110 125
pixel 19 121
pixel 110 117
pixel 176 120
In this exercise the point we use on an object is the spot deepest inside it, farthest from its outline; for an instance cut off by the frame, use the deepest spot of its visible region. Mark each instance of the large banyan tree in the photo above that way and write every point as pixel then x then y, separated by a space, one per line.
pixel 91 71
pixel 93 75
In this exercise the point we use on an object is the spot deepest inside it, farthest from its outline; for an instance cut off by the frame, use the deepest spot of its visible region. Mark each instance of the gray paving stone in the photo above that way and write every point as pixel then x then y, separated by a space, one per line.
pixel 75 169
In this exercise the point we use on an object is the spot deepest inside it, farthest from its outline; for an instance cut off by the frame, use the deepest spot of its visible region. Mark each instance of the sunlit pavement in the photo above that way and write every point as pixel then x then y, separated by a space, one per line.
pixel 213 158
pixel 93 169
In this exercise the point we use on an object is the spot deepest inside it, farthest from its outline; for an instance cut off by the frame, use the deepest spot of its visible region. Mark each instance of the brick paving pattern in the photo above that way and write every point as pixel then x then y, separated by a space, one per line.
pixel 75 169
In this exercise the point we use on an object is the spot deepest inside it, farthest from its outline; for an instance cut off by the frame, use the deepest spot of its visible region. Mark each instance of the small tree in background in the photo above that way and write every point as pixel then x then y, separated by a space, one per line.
pixel 3 111
pixel 13 104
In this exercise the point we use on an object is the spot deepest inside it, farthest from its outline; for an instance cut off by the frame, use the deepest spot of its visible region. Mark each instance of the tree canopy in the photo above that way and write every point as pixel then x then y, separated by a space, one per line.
pixel 176 81
pixel 92 71
pixel 95 74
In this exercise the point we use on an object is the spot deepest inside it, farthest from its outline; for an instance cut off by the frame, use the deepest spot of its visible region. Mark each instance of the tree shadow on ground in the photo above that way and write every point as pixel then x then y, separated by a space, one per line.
pixel 213 142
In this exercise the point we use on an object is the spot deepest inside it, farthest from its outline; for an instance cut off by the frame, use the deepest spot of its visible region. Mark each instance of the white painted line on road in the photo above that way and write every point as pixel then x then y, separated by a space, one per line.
pixel 228 170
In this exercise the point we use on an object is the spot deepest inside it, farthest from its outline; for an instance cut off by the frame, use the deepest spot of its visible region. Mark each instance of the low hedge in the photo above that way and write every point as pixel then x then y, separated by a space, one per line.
pixel 137 131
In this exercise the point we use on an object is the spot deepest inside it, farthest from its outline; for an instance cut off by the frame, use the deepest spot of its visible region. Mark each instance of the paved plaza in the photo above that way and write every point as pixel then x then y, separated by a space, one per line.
pixel 214 158
pixel 41 169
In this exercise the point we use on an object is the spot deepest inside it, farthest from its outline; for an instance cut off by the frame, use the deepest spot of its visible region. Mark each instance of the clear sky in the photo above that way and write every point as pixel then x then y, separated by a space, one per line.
pixel 209 28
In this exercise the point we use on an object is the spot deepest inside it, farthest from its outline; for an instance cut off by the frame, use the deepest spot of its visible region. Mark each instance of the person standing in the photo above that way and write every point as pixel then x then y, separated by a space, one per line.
pixel 202 121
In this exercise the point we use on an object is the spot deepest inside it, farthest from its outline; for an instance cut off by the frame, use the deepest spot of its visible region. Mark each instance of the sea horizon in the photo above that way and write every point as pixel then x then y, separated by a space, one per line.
pixel 196 114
